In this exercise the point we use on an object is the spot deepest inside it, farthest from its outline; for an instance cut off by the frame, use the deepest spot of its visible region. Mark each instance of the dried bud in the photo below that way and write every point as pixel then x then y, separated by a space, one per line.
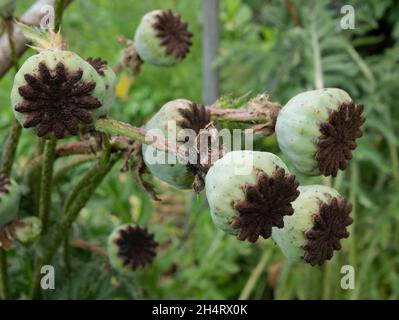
pixel 317 130
pixel 55 92
pixel 162 38
pixel 314 231
pixel 249 192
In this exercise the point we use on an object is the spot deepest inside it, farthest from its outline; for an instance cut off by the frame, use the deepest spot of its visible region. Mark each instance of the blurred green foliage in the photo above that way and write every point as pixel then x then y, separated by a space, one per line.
pixel 267 46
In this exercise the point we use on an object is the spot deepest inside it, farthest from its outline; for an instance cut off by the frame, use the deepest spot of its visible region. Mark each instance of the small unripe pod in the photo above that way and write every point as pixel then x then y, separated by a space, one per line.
pixel 130 247
pixel 27 229
pixel 55 92
pixel 249 192
pixel 317 130
pixel 162 38
pixel 181 114
pixel 314 231
pixel 9 199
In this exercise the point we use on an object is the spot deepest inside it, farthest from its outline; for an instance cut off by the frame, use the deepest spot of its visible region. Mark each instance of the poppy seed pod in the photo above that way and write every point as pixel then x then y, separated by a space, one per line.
pixel 55 92
pixel 249 192
pixel 183 114
pixel 9 199
pixel 27 229
pixel 314 231
pixel 317 130
pixel 162 38
pixel 109 77
pixel 130 247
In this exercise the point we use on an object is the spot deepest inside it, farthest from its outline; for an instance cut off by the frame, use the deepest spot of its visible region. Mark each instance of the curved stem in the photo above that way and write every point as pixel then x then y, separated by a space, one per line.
pixel 46 182
pixel 115 127
pixel 83 191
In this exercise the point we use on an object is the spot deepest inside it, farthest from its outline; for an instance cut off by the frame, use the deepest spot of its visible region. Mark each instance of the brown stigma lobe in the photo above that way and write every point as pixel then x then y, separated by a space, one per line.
pixel 196 117
pixel 136 247
pixel 99 64
pixel 57 101
pixel 173 34
pixel 4 184
pixel 338 136
pixel 329 227
pixel 265 205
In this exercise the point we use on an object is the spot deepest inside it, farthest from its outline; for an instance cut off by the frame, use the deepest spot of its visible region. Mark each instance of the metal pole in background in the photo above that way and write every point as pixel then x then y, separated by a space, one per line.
pixel 210 45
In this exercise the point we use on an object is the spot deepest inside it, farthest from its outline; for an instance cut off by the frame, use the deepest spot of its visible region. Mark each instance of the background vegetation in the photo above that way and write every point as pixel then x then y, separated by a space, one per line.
pixel 267 46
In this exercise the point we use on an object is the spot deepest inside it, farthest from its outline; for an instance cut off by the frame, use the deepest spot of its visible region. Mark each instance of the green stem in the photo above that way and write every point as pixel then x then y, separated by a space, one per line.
pixel 6 166
pixel 59 11
pixel 318 69
pixel 11 148
pixel 4 290
pixel 46 182
pixel 70 165
pixel 87 186
pixel 258 111
pixel 256 273
pixel 354 182
pixel 115 127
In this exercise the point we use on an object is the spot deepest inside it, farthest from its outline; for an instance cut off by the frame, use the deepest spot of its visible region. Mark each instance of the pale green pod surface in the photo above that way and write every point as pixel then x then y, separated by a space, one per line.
pixel 227 183
pixel 74 88
pixel 162 38
pixel 167 122
pixel 109 78
pixel 28 230
pixel 9 199
pixel 320 218
pixel 299 130
pixel 130 247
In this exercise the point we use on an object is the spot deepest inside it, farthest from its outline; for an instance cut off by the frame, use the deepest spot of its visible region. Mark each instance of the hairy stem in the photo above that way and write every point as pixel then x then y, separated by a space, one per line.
pixel 115 127
pixel 259 111
pixel 83 191
pixel 10 149
pixel 70 165
pixel 46 182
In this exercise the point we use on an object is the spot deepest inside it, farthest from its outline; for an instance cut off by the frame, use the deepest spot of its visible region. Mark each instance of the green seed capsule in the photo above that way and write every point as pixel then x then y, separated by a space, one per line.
pixel 130 247
pixel 250 192
pixel 174 115
pixel 162 38
pixel 9 199
pixel 317 130
pixel 314 231
pixel 55 92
